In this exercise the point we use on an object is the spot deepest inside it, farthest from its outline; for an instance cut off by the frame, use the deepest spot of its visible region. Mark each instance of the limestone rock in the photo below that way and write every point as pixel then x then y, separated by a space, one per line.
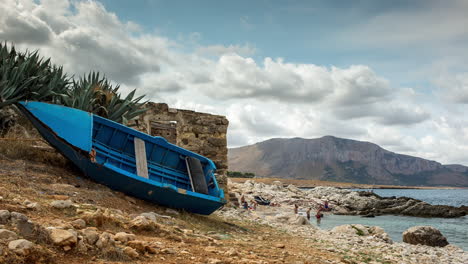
pixel 124 237
pixel 21 246
pixel 62 237
pixel 81 246
pixel 354 230
pixel 105 240
pixel 300 220
pixel 61 204
pixel 78 223
pixel 25 228
pixel 143 223
pixel 130 252
pixel 90 235
pixel 424 235
pixel 4 217
pixel 7 235
pixel 18 217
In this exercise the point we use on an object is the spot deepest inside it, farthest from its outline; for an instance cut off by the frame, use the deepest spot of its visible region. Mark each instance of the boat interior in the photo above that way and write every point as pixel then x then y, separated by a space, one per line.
pixel 165 162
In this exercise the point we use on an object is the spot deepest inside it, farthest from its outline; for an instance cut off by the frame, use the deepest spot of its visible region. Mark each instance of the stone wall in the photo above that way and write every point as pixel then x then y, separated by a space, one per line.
pixel 202 133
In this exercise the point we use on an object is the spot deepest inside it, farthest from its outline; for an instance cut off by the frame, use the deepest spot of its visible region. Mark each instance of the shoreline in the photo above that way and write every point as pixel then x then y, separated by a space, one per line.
pixel 353 241
pixel 304 184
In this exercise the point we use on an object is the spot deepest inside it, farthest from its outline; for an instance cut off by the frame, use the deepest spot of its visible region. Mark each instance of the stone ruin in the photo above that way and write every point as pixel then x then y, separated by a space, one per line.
pixel 202 133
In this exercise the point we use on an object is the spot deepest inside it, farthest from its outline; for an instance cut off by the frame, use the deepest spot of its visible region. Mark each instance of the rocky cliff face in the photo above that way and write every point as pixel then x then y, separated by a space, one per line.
pixel 337 159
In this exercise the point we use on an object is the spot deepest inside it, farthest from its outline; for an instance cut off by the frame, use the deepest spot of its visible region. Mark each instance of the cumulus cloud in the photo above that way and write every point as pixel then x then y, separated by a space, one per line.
pixel 262 99
pixel 218 50
pixel 435 24
pixel 454 87
pixel 87 38
pixel 20 25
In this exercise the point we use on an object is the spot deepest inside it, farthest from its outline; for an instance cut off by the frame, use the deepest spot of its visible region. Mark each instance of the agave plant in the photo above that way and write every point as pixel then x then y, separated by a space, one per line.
pixel 97 95
pixel 27 76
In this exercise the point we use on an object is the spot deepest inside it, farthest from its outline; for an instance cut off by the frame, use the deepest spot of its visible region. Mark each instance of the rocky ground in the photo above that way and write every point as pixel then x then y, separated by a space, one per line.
pixel 50 214
pixel 349 202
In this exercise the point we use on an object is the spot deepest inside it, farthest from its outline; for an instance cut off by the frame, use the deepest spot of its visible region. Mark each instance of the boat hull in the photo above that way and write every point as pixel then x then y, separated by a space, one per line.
pixel 106 174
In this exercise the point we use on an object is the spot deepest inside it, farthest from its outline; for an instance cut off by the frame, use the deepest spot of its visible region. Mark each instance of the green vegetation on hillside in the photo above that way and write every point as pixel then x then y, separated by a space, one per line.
pixel 238 174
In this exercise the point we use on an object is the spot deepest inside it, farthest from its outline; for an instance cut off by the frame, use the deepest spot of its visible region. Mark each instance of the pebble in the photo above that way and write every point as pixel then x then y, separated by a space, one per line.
pixel 21 246
pixel 131 252
pixel 62 204
pixel 7 235
pixel 78 223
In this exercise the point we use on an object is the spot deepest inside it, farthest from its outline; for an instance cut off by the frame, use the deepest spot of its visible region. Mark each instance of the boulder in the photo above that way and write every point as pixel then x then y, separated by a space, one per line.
pixel 7 235
pixel 21 246
pixel 62 237
pixel 124 237
pixel 424 235
pixel 61 204
pixel 4 217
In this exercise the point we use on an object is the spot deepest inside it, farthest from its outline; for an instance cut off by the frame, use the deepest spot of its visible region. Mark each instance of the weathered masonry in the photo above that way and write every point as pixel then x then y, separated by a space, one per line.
pixel 198 132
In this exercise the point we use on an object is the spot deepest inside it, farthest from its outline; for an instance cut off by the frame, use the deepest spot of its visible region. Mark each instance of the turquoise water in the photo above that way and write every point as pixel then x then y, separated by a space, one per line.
pixel 453 197
pixel 454 229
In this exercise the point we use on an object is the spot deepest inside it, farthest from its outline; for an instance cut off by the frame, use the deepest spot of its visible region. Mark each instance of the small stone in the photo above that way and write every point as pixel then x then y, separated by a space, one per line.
pixel 131 252
pixel 105 240
pixel 124 237
pixel 7 235
pixel 168 251
pixel 81 246
pixel 4 217
pixel 90 235
pixel 78 223
pixel 215 261
pixel 62 237
pixel 21 246
pixel 62 204
pixel 25 228
pixel 184 252
pixel 231 253
pixel 139 245
pixel 32 205
pixel 172 211
pixel 280 246
pixel 18 217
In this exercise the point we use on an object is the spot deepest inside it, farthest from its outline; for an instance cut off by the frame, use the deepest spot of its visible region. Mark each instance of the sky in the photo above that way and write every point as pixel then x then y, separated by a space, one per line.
pixel 394 73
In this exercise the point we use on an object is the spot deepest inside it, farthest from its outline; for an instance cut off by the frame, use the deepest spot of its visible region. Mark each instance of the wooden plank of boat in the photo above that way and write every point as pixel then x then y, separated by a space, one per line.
pixel 197 177
pixel 140 157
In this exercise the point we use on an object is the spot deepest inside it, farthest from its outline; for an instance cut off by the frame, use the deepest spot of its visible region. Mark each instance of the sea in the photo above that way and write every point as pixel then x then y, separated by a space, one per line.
pixel 454 229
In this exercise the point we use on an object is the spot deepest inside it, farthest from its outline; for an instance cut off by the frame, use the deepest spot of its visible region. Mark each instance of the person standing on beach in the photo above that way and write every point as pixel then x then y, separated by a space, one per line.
pixel 308 213
pixel 296 209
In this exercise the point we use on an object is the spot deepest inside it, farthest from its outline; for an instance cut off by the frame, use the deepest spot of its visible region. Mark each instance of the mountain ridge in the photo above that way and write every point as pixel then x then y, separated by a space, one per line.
pixel 339 159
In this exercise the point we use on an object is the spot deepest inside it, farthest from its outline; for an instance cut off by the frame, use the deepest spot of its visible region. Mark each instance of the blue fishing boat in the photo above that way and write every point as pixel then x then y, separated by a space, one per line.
pixel 126 160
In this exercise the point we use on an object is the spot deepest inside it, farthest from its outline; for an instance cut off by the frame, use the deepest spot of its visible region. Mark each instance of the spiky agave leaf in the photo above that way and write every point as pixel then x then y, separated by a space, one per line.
pixel 97 95
pixel 27 76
